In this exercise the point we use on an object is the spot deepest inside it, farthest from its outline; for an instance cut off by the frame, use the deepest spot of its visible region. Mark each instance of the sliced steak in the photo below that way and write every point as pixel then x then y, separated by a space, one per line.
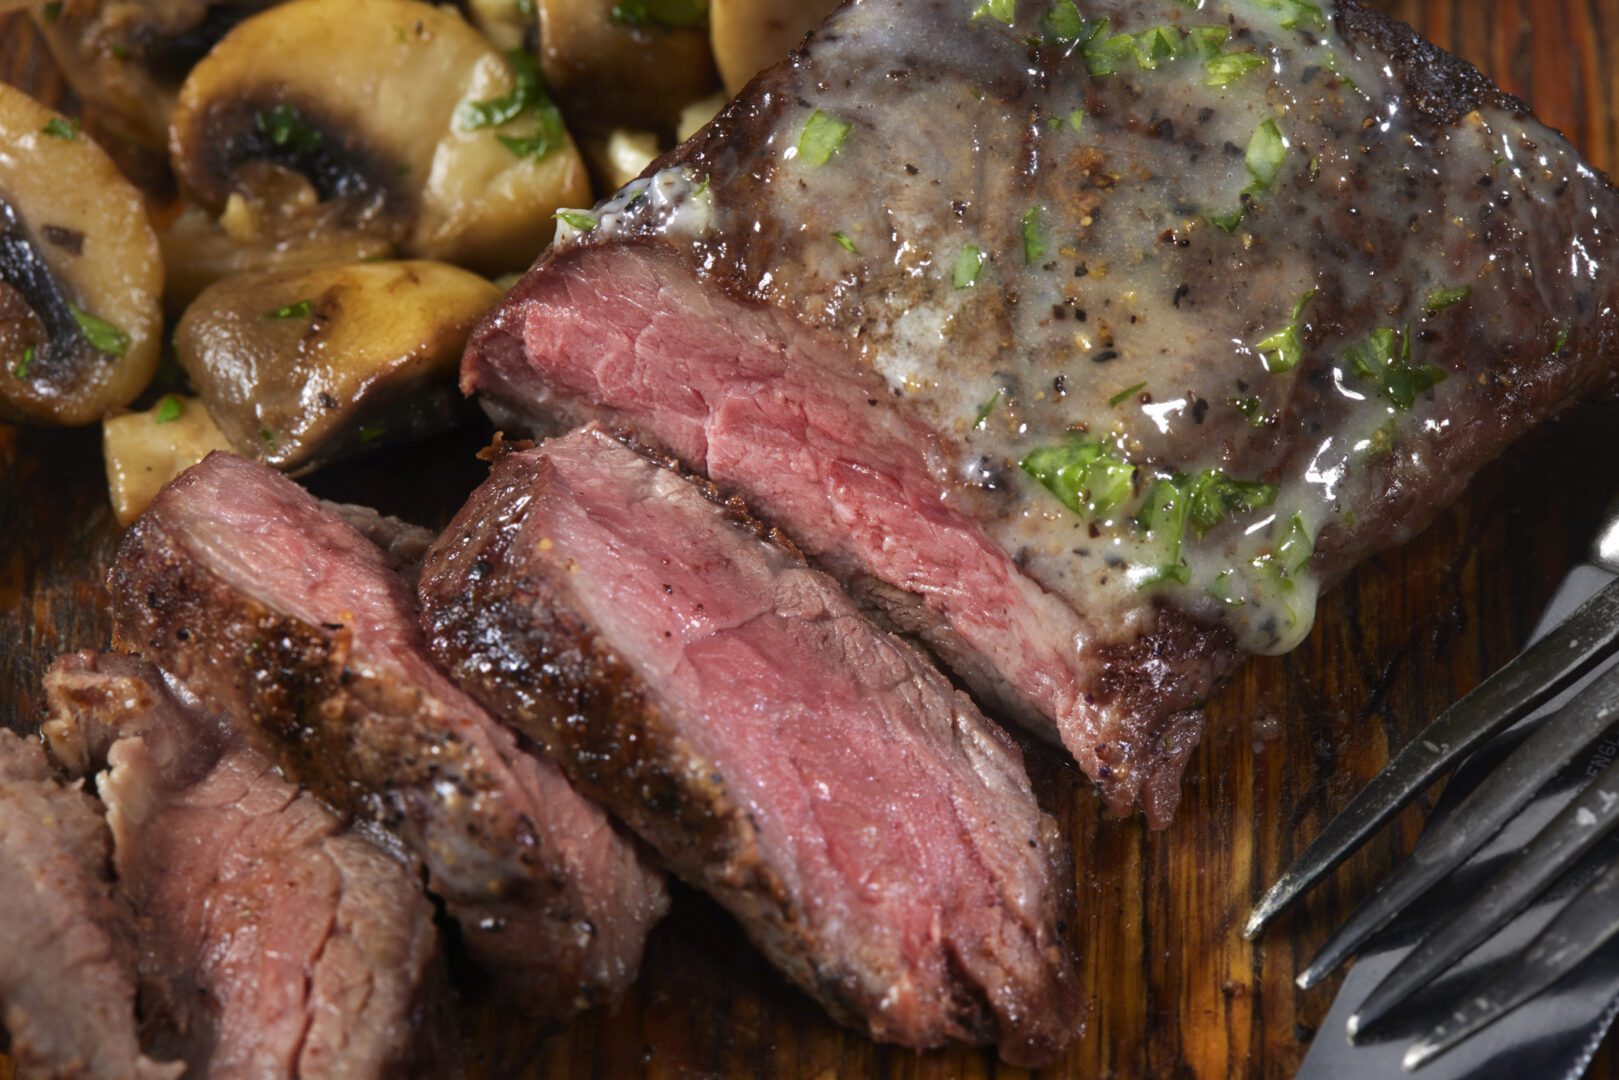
pixel 67 963
pixel 1092 347
pixel 273 943
pixel 263 602
pixel 875 835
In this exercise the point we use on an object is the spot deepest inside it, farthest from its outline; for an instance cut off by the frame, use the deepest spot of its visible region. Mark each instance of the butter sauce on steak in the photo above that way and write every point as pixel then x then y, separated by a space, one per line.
pixel 875 835
pixel 268 604
pixel 1093 342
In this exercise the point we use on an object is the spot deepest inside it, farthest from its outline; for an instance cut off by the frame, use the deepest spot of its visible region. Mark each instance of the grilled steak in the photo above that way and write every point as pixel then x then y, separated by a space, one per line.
pixel 272 942
pixel 266 604
pixel 875 835
pixel 1090 346
pixel 67 965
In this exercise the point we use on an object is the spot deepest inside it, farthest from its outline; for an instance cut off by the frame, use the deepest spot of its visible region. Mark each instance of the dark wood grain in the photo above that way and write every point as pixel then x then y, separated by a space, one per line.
pixel 1175 990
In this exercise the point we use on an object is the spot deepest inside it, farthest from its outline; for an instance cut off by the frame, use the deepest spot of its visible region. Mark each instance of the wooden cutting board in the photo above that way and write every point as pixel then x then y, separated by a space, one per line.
pixel 1174 990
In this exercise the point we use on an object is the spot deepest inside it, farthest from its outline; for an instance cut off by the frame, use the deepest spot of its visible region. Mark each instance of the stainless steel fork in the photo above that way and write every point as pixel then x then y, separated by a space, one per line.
pixel 1557 660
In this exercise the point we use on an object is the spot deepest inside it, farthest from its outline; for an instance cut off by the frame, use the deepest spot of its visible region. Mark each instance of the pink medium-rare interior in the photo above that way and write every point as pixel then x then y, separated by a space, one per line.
pixel 892 811
pixel 745 395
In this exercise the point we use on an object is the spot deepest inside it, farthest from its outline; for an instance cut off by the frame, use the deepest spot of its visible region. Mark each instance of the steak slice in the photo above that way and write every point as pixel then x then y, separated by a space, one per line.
pixel 272 942
pixel 67 965
pixel 875 835
pixel 1092 347
pixel 267 605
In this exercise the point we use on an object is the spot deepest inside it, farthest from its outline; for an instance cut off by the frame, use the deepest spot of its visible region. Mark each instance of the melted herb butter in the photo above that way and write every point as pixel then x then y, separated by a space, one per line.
pixel 1183 310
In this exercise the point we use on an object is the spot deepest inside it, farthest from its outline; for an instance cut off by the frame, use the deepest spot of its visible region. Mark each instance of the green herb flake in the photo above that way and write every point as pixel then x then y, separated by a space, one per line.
pixel 669 14
pixel 1252 407
pixel 1207 41
pixel 1163 516
pixel 821 138
pixel 1384 357
pixel 1220 589
pixel 1076 119
pixel 845 243
pixel 1124 395
pixel 968 265
pixel 1440 299
pixel 1063 23
pixel 1267 149
pixel 583 220
pixel 52 11
pixel 1564 329
pixel 301 309
pixel 1213 497
pixel 287 129
pixel 526 9
pixel 1002 11
pixel 1297 546
pixel 1084 476
pixel 985 409
pixel 1226 68
pixel 1282 350
pixel 267 437
pixel 371 433
pixel 60 127
pixel 22 366
pixel 103 336
pixel 1034 236
pixel 168 409
pixel 526 92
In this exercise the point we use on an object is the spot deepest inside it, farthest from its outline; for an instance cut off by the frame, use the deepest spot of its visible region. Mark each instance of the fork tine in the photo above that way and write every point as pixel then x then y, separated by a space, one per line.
pixel 1480 816
pixel 1589 922
pixel 1538 673
pixel 1555 849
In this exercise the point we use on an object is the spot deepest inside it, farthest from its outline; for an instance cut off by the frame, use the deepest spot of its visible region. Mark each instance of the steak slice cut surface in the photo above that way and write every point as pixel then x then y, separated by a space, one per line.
pixel 67 960
pixel 873 833
pixel 265 603
pixel 273 942
pixel 1092 347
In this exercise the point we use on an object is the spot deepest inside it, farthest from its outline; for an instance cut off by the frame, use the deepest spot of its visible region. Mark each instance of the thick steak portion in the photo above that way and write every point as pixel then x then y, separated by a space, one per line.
pixel 272 942
pixel 1091 344
pixel 875 835
pixel 67 963
pixel 267 605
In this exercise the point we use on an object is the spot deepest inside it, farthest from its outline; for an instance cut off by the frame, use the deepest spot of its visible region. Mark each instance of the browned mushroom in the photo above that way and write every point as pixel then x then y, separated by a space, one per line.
pixel 145 450
pixel 625 63
pixel 387 119
pixel 751 35
pixel 80 273
pixel 299 368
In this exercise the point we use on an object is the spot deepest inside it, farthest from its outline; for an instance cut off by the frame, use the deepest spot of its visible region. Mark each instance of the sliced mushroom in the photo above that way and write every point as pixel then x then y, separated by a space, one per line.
pixel 751 35
pixel 387 118
pixel 145 450
pixel 299 368
pixel 699 113
pixel 510 24
pixel 625 63
pixel 80 273
pixel 127 58
pixel 622 156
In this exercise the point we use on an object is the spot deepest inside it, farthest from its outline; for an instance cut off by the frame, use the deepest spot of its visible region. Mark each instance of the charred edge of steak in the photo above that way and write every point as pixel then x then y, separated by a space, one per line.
pixel 1440 85
pixel 515 643
pixel 293 682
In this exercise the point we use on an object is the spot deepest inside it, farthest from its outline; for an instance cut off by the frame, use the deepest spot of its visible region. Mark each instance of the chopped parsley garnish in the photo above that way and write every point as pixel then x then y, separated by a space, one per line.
pixel 526 8
pixel 371 433
pixel 1034 236
pixel 1251 406
pixel 1282 350
pixel 287 128
pixel 1384 357
pixel 267 436
pixel 61 127
pixel 1063 22
pixel 669 14
pixel 52 11
pixel 169 409
pixel 1266 152
pixel 968 265
pixel 1440 299
pixel 527 95
pixel 821 138
pixel 1201 502
pixel 1214 497
pixel 1295 12
pixel 1084 476
pixel 1226 68
pixel 1124 395
pixel 1296 547
pixel 22 366
pixel 845 243
pixel 1564 329
pixel 583 220
pixel 103 336
pixel 985 409
pixel 1002 11
pixel 300 309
